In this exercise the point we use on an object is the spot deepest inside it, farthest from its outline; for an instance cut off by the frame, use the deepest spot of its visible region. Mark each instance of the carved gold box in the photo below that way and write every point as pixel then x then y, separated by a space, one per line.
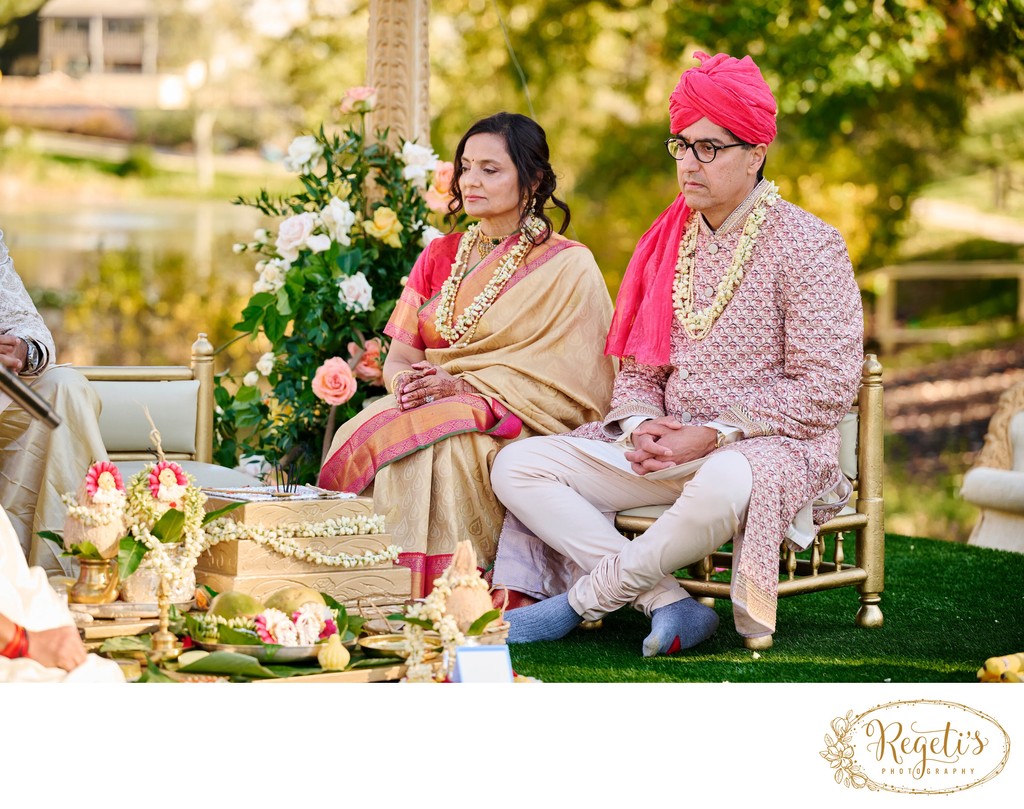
pixel 384 585
pixel 247 558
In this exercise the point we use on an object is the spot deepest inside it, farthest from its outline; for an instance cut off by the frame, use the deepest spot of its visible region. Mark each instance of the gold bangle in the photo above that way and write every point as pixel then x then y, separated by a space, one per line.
pixel 395 378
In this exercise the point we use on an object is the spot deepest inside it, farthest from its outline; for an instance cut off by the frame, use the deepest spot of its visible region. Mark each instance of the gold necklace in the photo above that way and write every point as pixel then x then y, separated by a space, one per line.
pixel 486 244
pixel 697 324
pixel 460 330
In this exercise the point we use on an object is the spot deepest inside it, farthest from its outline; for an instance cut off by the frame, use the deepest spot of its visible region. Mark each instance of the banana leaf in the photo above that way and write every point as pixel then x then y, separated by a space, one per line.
pixel 229 664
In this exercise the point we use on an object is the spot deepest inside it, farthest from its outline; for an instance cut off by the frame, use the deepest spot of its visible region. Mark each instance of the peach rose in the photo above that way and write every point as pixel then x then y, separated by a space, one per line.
pixel 358 99
pixel 333 382
pixel 440 192
pixel 367 361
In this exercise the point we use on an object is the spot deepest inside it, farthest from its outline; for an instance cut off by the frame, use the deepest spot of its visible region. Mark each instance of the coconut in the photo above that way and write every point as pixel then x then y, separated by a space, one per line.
pixel 106 538
pixel 291 598
pixel 468 599
pixel 234 604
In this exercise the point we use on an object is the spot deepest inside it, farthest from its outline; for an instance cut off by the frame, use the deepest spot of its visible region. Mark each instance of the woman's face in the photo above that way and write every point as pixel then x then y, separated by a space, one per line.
pixel 490 184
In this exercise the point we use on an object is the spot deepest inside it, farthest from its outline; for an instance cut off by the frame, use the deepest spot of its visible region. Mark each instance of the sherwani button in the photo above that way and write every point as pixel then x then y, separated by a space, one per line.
pixel 683 373
pixel 686 417
pixel 713 248
pixel 709 292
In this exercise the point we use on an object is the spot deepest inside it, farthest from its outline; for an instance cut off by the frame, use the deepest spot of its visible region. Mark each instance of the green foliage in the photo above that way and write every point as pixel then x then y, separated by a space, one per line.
pixel 361 224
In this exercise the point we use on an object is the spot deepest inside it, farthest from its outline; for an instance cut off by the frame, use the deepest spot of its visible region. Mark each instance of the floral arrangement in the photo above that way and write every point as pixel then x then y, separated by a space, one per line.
pixel 160 520
pixel 327 280
pixel 458 608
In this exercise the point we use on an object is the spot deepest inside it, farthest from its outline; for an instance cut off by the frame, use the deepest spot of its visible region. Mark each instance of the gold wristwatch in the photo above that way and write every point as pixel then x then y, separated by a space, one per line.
pixel 727 438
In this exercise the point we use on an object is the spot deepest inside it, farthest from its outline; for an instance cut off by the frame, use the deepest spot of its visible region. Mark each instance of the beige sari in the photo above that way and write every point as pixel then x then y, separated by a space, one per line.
pixel 537 362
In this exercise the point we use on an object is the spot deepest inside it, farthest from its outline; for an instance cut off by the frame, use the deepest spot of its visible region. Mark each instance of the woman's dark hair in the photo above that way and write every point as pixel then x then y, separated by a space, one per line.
pixel 527 146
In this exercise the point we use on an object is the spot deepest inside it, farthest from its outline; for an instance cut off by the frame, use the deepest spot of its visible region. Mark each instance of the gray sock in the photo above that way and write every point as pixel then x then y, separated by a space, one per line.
pixel 679 626
pixel 550 619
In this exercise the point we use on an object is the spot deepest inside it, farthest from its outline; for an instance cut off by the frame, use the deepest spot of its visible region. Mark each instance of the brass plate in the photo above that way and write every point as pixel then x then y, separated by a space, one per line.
pixel 283 654
pixel 394 646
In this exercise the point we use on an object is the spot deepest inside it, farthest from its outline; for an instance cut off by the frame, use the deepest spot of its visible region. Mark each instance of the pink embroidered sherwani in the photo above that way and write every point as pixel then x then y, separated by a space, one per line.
pixel 782 364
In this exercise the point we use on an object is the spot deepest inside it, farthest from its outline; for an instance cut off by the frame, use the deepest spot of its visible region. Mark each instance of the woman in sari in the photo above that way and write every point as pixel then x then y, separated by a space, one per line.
pixel 497 336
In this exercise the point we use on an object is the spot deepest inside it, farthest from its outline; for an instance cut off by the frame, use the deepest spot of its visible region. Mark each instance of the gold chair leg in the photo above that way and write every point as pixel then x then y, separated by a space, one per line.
pixel 869 616
pixel 758 644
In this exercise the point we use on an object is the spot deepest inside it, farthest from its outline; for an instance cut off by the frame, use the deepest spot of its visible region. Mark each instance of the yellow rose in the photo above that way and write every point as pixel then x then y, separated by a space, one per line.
pixel 384 226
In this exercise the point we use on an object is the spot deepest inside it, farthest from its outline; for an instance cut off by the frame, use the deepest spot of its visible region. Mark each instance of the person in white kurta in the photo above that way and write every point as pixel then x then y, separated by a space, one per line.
pixel 55 652
pixel 39 464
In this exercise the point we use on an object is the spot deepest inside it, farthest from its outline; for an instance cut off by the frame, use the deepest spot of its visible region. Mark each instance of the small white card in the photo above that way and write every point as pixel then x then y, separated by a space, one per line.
pixel 482 664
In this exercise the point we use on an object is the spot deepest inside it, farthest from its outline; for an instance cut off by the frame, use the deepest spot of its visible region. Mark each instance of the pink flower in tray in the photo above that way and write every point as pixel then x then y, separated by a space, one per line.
pixel 330 628
pixel 274 626
pixel 103 482
pixel 167 482
pixel 333 382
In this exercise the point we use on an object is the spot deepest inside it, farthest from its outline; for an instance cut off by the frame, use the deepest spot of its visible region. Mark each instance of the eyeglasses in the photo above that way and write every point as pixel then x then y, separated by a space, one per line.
pixel 704 150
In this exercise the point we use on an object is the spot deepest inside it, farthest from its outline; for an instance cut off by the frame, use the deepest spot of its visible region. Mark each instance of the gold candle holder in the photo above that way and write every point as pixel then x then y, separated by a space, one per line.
pixel 165 645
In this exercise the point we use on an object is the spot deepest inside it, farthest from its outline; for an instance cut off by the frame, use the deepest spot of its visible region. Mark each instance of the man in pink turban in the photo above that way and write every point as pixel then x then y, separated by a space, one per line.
pixel 740 333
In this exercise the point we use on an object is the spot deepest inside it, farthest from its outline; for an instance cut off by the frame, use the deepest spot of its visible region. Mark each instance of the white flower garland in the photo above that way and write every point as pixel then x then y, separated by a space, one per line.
pixel 460 330
pixel 225 530
pixel 698 323
pixel 96 514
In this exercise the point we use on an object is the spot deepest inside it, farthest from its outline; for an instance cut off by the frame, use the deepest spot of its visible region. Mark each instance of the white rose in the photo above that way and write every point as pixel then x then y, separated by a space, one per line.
pixel 261 235
pixel 355 293
pixel 303 152
pixel 292 236
pixel 418 161
pixel 429 234
pixel 265 364
pixel 272 275
pixel 338 217
pixel 308 624
pixel 251 379
pixel 318 242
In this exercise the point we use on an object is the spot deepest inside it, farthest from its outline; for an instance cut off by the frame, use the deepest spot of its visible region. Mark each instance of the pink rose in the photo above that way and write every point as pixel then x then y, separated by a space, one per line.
pixel 358 99
pixel 333 382
pixel 440 192
pixel 367 361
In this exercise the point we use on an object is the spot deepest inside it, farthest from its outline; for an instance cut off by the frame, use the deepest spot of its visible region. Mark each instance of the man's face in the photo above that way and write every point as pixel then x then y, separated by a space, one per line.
pixel 717 188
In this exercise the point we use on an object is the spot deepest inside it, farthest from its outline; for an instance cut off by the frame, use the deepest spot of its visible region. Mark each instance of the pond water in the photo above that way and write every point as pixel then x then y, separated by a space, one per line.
pixel 134 282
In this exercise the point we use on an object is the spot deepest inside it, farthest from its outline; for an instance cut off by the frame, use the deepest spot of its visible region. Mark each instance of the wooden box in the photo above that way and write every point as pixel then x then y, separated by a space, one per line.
pixel 247 558
pixel 384 585
pixel 288 511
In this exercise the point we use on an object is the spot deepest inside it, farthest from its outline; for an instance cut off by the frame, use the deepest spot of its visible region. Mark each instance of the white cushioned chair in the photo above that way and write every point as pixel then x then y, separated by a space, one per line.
pixel 995 483
pixel 860 457
pixel 179 399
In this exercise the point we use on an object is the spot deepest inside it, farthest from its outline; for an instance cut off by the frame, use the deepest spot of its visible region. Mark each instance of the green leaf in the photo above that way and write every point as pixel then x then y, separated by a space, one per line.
pixel 54 537
pixel 128 643
pixel 129 555
pixel 422 622
pixel 169 528
pixel 239 637
pixel 86 550
pixel 480 624
pixel 220 512
pixel 154 675
pixel 196 628
pixel 231 664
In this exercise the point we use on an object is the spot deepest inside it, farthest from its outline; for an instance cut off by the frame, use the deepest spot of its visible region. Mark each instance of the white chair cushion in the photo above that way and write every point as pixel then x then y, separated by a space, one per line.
pixel 848 444
pixel 1000 489
pixel 172 404
pixel 206 474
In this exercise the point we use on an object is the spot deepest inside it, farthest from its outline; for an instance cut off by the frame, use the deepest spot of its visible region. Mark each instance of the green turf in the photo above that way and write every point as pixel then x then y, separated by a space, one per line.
pixel 947 608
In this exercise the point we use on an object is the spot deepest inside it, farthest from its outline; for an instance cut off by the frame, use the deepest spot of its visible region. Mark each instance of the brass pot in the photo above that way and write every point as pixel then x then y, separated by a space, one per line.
pixel 97 582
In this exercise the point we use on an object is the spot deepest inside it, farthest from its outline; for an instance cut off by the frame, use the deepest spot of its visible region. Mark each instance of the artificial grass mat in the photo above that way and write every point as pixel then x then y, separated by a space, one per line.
pixel 947 607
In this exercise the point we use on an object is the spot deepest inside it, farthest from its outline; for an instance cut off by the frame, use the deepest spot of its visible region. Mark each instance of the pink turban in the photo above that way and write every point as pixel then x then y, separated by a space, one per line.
pixel 730 93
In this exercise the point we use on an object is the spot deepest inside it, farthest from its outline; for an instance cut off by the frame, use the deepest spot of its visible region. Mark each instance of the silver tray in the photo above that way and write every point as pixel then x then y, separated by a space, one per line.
pixel 127 609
